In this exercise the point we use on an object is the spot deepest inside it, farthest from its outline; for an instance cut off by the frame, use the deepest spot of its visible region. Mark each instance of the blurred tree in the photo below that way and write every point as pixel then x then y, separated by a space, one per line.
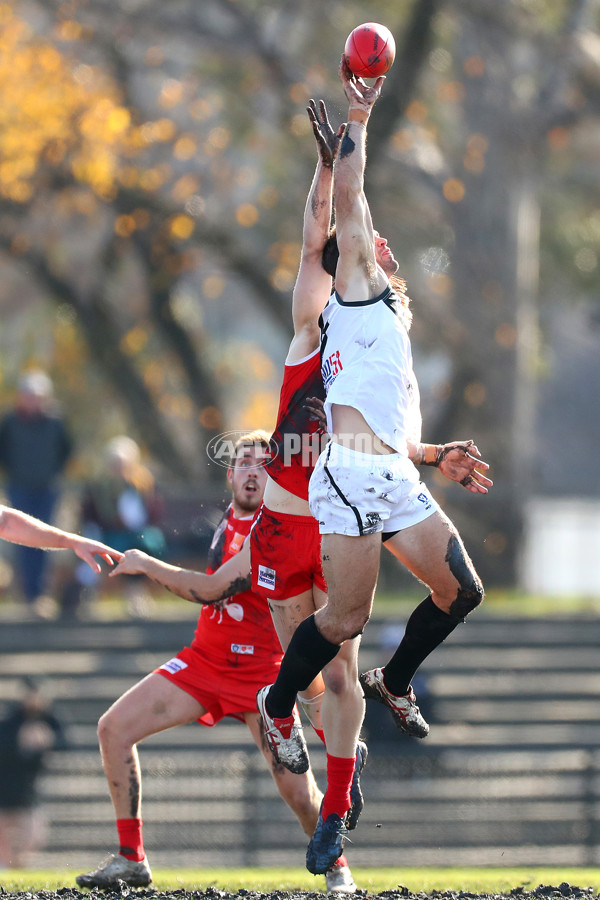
pixel 155 159
pixel 510 84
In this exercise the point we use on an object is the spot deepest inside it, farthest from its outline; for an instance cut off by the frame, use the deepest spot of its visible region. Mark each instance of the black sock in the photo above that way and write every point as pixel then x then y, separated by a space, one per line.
pixel 307 654
pixel 425 630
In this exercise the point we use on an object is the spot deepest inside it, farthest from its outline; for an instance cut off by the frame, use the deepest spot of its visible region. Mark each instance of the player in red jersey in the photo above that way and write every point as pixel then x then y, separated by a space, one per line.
pixel 235 649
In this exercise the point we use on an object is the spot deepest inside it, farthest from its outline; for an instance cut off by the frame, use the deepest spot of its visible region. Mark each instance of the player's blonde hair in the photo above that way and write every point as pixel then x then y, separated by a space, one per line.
pixel 251 439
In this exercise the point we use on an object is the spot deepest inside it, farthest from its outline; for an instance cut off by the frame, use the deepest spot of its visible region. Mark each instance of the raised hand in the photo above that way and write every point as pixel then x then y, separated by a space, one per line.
pixel 360 95
pixel 328 141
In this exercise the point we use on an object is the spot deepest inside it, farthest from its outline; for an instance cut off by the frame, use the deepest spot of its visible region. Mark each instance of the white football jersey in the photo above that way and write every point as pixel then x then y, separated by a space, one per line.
pixel 366 363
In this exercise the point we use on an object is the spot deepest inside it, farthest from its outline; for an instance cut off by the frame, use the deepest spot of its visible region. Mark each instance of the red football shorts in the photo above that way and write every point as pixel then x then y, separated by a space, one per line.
pixel 221 689
pixel 286 555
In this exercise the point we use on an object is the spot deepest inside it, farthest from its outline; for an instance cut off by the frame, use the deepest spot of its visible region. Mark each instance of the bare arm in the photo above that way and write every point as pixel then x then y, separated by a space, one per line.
pixel 231 578
pixel 459 461
pixel 313 284
pixel 19 528
pixel 358 276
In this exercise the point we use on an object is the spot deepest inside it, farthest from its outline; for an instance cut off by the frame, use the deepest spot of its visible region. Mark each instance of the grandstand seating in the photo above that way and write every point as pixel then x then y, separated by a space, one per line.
pixel 510 774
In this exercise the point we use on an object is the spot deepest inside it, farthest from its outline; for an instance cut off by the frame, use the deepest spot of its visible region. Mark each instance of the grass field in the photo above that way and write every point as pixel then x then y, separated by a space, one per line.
pixel 485 881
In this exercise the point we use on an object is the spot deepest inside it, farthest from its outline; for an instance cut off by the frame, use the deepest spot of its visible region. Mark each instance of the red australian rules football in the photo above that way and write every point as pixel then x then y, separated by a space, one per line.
pixel 370 50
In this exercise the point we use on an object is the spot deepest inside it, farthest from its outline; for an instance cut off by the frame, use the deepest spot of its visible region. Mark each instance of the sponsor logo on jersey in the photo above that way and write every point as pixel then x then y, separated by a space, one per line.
pixel 245 649
pixel 330 366
pixel 424 499
pixel 174 665
pixel 236 543
pixel 266 577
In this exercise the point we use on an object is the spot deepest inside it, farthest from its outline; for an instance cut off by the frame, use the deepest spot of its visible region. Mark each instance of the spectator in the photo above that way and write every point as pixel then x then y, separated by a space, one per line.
pixel 27 735
pixel 123 507
pixel 34 449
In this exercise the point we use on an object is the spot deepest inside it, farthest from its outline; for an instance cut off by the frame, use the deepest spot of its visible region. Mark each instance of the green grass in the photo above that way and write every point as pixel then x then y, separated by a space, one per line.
pixel 374 881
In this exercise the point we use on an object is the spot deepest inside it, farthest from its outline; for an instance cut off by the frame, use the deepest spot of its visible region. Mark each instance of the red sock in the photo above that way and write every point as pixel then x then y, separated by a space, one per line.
pixel 339 779
pixel 340 861
pixel 319 733
pixel 131 842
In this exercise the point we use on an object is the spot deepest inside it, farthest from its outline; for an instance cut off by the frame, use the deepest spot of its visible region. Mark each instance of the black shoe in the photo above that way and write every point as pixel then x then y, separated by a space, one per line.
pixel 356 796
pixel 405 712
pixel 326 845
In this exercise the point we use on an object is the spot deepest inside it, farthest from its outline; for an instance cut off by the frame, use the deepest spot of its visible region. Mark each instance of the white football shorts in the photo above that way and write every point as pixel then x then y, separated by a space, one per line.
pixel 362 493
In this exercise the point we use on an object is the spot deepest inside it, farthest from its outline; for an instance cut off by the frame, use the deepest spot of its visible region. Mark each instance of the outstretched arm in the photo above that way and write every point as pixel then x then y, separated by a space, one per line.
pixel 19 528
pixel 459 461
pixel 231 578
pixel 358 275
pixel 313 284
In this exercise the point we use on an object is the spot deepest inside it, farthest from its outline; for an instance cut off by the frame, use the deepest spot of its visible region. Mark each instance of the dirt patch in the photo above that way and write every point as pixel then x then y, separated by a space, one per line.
pixel 542 892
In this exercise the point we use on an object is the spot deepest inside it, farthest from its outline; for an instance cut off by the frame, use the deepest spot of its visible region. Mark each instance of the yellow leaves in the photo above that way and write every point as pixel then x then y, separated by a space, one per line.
pixel 48 58
pixel 55 113
pixel 154 375
pixel 299 93
pixel 440 283
pixel 217 141
pixel 19 192
pixel 416 111
pixel 211 418
pixel 246 215
pixel 6 13
pixel 118 121
pixel 178 405
pixel 156 132
pixel 287 258
pixel 200 109
pixel 151 179
pixel 185 187
pixel 454 190
pixel 69 30
pixel 261 409
pixel 260 366
pixel 171 94
pixel 124 226
pixel 181 227
pixel 134 341
pixel 185 147
pixel 474 158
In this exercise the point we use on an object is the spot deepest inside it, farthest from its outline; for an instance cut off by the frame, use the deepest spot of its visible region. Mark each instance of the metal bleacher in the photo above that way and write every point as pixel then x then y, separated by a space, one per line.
pixel 510 774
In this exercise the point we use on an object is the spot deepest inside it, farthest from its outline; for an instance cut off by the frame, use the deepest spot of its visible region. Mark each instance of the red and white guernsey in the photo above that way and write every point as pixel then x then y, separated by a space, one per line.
pixel 238 628
pixel 296 442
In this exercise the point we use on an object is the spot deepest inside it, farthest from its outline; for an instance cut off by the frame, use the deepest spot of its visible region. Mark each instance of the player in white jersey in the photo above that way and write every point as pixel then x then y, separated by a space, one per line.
pixel 365 486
